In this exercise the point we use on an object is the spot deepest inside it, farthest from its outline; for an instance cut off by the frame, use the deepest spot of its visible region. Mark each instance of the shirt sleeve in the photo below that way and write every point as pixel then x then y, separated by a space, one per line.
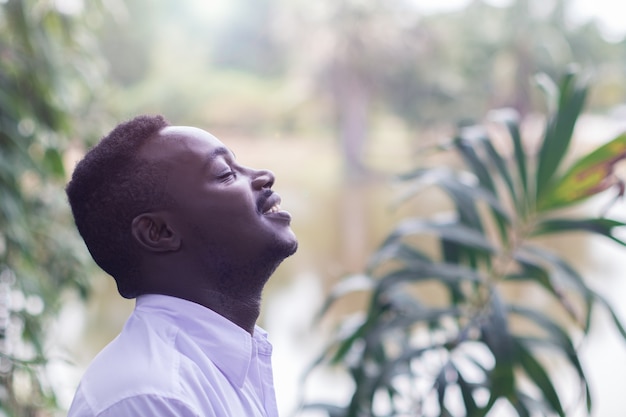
pixel 153 406
pixel 142 406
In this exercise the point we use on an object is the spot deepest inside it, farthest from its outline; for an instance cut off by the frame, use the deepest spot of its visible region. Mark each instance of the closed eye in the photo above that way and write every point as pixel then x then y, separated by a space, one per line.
pixel 227 176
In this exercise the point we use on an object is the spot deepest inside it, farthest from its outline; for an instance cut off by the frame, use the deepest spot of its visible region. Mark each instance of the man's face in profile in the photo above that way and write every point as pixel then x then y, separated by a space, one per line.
pixel 220 208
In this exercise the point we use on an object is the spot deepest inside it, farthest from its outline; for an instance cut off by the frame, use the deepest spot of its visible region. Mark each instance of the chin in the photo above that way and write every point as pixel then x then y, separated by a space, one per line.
pixel 289 248
pixel 274 256
pixel 283 248
pixel 294 248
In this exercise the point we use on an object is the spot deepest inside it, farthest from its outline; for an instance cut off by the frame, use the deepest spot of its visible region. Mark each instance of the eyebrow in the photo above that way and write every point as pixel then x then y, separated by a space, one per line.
pixel 218 152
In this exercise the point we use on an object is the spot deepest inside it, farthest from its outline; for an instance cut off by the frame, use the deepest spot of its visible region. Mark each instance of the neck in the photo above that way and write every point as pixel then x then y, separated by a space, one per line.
pixel 240 305
pixel 232 292
pixel 243 312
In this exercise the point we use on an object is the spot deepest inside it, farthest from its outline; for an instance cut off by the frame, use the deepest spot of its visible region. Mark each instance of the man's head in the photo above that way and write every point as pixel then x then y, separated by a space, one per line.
pixel 109 187
pixel 152 198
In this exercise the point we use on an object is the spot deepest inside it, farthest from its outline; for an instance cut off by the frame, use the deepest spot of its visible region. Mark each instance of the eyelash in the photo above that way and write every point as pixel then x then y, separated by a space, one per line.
pixel 227 175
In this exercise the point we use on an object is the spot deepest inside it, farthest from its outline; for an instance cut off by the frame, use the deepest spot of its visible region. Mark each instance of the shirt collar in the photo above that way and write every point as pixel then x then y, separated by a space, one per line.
pixel 227 345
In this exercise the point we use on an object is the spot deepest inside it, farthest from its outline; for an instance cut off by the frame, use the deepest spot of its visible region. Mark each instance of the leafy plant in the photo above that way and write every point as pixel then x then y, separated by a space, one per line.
pixel 43 74
pixel 484 349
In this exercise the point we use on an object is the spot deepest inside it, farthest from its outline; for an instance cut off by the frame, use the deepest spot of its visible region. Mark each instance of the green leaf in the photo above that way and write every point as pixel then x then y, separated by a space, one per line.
pixel 565 349
pixel 461 190
pixel 477 167
pixel 395 251
pixel 559 130
pixel 590 175
pixel 450 252
pixel 405 318
pixel 520 158
pixel 520 155
pixel 471 408
pixel 616 320
pixel 554 334
pixel 441 385
pixel 519 405
pixel 539 376
pixel 500 164
pixel 504 173
pixel 550 90
pixel 450 230
pixel 353 283
pixel 510 118
pixel 532 270
pixel 527 404
pixel 418 271
pixel 496 336
pixel 419 179
pixel 567 274
pixel 453 253
pixel 465 204
pixel 403 360
pixel 601 226
pixel 344 346
pixel 469 146
pixel 54 163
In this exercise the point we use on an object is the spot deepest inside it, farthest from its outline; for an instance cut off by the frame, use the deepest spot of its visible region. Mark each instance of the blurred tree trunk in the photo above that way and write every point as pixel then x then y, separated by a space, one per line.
pixel 523 74
pixel 351 97
pixel 355 38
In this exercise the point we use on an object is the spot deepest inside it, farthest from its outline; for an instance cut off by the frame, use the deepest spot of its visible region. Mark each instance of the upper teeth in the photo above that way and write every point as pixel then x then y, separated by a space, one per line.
pixel 274 209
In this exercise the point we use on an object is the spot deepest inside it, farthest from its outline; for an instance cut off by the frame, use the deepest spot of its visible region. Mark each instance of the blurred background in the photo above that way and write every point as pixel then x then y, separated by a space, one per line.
pixel 336 97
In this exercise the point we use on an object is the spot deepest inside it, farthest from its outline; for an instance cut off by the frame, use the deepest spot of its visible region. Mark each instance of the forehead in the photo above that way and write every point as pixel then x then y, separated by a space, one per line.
pixel 173 142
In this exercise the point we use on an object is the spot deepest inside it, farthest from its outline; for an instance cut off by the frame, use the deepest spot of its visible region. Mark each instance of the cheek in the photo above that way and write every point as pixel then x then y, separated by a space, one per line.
pixel 238 202
pixel 219 210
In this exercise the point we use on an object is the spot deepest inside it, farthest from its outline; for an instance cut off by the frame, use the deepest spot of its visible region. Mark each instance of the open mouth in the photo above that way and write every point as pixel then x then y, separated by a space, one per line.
pixel 271 207
pixel 274 209
pixel 270 204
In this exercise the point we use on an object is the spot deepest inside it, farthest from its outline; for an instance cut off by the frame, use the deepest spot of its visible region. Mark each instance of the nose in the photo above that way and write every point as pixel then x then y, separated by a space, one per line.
pixel 263 178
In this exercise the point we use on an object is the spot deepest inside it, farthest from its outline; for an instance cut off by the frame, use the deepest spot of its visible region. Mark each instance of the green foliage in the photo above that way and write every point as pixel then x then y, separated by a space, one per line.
pixel 484 346
pixel 43 78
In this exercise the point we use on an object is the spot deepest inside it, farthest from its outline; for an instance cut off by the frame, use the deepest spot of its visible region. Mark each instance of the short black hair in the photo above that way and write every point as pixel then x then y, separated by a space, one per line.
pixel 109 187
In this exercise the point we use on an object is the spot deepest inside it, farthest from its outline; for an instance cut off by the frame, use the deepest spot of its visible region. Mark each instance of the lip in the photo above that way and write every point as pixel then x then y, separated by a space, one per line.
pixel 267 201
pixel 270 201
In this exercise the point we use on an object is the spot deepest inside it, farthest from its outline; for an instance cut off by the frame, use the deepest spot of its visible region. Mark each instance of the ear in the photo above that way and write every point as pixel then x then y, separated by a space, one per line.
pixel 153 233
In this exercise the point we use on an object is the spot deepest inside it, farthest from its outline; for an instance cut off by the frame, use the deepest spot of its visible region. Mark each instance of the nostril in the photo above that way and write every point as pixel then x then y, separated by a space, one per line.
pixel 263 179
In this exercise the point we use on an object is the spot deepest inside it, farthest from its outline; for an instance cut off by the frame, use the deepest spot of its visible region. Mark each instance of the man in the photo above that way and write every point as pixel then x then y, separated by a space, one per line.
pixel 193 236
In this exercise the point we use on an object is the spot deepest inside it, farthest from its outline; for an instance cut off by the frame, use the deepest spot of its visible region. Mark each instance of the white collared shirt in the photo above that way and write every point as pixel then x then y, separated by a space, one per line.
pixel 178 358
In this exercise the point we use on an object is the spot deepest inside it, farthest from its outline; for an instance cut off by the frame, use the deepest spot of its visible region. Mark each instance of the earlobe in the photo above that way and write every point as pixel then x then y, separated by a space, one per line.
pixel 154 234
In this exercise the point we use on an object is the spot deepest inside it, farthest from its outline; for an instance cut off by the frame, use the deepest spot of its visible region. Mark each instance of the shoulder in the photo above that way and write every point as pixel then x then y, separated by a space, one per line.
pixel 141 362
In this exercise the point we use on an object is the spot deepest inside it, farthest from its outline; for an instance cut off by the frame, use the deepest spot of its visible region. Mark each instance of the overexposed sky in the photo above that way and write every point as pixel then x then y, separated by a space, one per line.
pixel 611 14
